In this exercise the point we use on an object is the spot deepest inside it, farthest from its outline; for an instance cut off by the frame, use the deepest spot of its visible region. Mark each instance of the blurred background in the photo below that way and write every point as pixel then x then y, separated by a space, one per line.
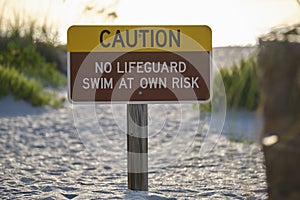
pixel 33 33
pixel 233 22
pixel 256 46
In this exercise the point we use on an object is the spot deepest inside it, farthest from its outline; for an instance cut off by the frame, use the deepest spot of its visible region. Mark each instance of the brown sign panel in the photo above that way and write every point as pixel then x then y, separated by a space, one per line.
pixel 139 64
pixel 139 77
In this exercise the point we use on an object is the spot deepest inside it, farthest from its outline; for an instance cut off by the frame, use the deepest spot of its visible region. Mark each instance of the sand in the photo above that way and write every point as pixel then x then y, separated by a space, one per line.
pixel 45 155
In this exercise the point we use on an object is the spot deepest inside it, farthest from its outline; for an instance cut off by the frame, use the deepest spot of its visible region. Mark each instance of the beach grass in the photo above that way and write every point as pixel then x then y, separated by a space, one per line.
pixel 28 62
pixel 241 83
pixel 22 87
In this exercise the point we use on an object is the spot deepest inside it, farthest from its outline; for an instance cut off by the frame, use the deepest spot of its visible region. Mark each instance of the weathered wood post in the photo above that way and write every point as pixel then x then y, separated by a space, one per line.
pixel 137 146
pixel 279 60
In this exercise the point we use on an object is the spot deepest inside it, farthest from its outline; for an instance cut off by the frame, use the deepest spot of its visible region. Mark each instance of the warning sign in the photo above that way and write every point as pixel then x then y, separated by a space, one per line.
pixel 136 64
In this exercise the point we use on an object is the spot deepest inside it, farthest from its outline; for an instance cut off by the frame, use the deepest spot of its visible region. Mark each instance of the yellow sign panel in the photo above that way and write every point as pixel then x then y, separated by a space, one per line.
pixel 139 38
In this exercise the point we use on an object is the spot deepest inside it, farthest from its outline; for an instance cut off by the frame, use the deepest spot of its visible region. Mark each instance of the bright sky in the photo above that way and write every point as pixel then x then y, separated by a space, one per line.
pixel 233 22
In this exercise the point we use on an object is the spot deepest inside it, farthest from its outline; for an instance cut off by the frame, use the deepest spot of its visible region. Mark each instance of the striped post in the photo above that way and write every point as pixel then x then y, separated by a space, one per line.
pixel 137 146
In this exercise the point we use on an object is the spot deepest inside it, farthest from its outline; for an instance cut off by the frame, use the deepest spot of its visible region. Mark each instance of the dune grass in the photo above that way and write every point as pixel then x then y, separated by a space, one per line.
pixel 241 82
pixel 22 87
pixel 28 62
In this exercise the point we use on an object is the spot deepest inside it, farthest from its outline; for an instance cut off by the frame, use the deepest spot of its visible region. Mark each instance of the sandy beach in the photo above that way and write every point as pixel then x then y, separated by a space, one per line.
pixel 62 153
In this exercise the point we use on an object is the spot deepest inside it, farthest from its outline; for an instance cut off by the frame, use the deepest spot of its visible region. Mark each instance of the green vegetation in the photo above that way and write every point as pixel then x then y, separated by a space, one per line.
pixel 28 61
pixel 28 64
pixel 241 82
pixel 11 81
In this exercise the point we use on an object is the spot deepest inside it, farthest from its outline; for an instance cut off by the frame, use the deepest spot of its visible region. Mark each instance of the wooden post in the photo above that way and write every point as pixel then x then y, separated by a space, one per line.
pixel 137 146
